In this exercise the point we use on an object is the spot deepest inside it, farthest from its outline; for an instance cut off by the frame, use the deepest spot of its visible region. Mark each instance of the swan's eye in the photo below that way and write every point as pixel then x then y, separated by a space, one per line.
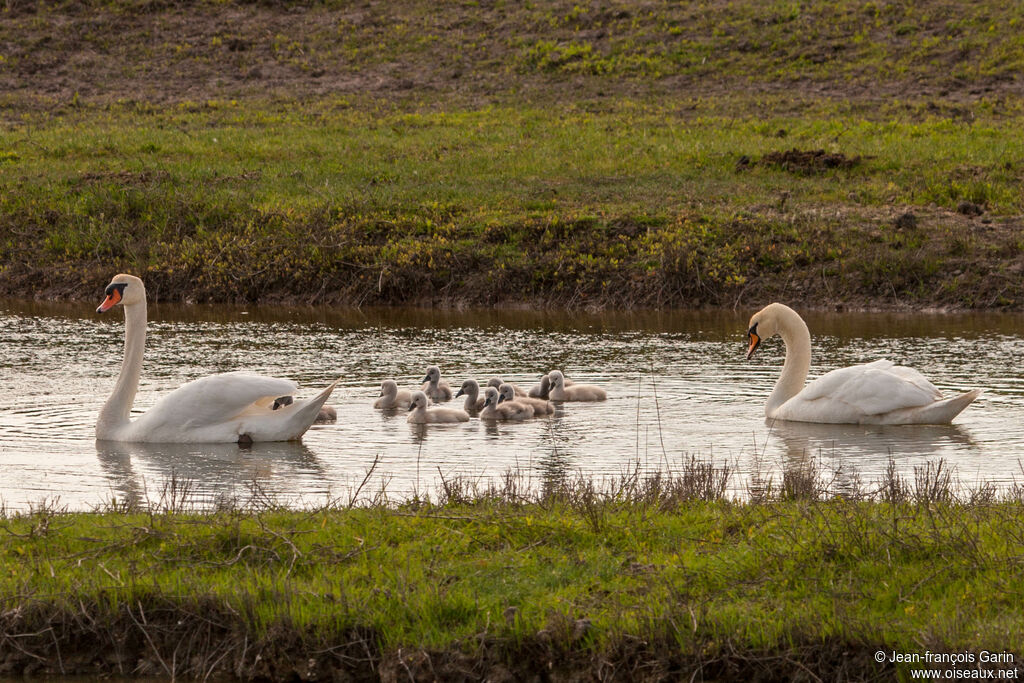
pixel 115 290
pixel 114 293
pixel 753 329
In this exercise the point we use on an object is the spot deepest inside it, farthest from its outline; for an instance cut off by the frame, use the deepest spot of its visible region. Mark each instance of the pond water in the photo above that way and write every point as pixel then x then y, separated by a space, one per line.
pixel 678 382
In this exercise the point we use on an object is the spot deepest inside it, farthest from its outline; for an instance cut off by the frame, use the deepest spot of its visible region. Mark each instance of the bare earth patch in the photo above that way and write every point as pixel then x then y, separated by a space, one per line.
pixel 808 161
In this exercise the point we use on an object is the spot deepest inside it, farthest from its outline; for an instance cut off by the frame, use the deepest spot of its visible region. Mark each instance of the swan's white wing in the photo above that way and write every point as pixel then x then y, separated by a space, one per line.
pixel 873 388
pixel 218 398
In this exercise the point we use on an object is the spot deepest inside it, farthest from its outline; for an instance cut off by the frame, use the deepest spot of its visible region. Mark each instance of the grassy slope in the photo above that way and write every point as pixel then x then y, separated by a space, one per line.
pixel 649 590
pixel 574 153
pixel 633 203
pixel 159 50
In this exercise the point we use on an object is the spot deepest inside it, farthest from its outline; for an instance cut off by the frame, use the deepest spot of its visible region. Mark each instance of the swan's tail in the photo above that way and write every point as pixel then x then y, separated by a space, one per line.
pixel 943 412
pixel 290 421
pixel 308 411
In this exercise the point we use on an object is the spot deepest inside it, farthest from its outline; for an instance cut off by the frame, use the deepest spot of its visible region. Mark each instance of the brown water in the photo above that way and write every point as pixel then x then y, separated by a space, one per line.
pixel 678 383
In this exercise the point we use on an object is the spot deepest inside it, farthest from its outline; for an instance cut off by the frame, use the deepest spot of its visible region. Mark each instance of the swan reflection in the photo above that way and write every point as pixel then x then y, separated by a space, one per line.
pixel 215 473
pixel 866 443
pixel 860 453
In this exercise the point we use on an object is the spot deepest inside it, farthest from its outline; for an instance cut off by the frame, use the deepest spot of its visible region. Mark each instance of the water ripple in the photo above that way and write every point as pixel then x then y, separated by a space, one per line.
pixel 679 385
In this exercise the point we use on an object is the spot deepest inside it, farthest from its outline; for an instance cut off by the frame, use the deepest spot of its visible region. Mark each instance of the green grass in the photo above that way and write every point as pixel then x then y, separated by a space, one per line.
pixel 582 154
pixel 683 583
pixel 629 202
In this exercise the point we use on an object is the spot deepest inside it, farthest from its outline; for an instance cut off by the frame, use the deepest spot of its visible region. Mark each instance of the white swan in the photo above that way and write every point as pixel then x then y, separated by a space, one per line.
pixel 326 415
pixel 540 406
pixel 512 410
pixel 874 393
pixel 419 414
pixel 576 392
pixel 234 406
pixel 392 397
pixel 434 387
pixel 471 390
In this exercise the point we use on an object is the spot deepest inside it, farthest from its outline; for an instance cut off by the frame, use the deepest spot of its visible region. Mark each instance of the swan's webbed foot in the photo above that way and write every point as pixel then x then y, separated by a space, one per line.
pixel 244 440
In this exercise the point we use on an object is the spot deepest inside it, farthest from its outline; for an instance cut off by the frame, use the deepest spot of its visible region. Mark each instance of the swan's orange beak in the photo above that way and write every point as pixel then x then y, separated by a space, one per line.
pixel 113 298
pixel 755 341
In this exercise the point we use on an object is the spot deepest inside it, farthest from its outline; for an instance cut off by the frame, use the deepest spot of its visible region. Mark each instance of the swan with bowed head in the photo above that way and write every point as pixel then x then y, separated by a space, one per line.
pixel 874 393
pixel 230 407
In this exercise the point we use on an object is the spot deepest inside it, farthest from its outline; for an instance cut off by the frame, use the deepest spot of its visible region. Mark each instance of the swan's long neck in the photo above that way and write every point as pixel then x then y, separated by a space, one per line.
pixel 797 339
pixel 117 409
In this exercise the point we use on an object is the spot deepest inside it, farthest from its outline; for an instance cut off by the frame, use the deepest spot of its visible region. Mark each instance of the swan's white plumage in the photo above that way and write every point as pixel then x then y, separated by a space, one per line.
pixel 873 393
pixel 217 398
pixel 220 408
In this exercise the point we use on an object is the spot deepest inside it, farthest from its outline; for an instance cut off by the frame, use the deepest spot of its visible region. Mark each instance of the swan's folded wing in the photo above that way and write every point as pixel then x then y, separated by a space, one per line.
pixel 218 398
pixel 874 389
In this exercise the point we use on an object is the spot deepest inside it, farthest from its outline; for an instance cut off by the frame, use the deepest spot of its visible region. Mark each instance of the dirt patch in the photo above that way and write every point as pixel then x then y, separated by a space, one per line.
pixel 808 162
pixel 968 208
pixel 204 640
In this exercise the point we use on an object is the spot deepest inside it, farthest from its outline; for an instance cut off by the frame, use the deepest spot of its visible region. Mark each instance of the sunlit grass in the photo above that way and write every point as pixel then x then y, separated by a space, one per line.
pixel 641 203
pixel 502 162
pixel 797 573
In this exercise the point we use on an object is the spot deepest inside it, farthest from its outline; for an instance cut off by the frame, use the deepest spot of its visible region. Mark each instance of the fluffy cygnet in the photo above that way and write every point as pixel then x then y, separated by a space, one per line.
pixel 420 414
pixel 539 405
pixel 510 410
pixel 471 390
pixel 496 382
pixel 577 392
pixel 434 387
pixel 543 388
pixel 392 397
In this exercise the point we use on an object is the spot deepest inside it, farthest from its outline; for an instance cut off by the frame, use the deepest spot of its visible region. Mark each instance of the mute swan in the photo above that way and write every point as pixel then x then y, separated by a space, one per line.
pixel 540 406
pixel 576 392
pixel 874 393
pixel 496 382
pixel 392 397
pixel 512 410
pixel 230 407
pixel 434 387
pixel 471 390
pixel 419 414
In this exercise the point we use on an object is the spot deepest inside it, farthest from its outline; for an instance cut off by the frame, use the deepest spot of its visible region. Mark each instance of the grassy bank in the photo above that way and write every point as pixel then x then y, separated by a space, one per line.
pixel 649 579
pixel 582 154
pixel 626 203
